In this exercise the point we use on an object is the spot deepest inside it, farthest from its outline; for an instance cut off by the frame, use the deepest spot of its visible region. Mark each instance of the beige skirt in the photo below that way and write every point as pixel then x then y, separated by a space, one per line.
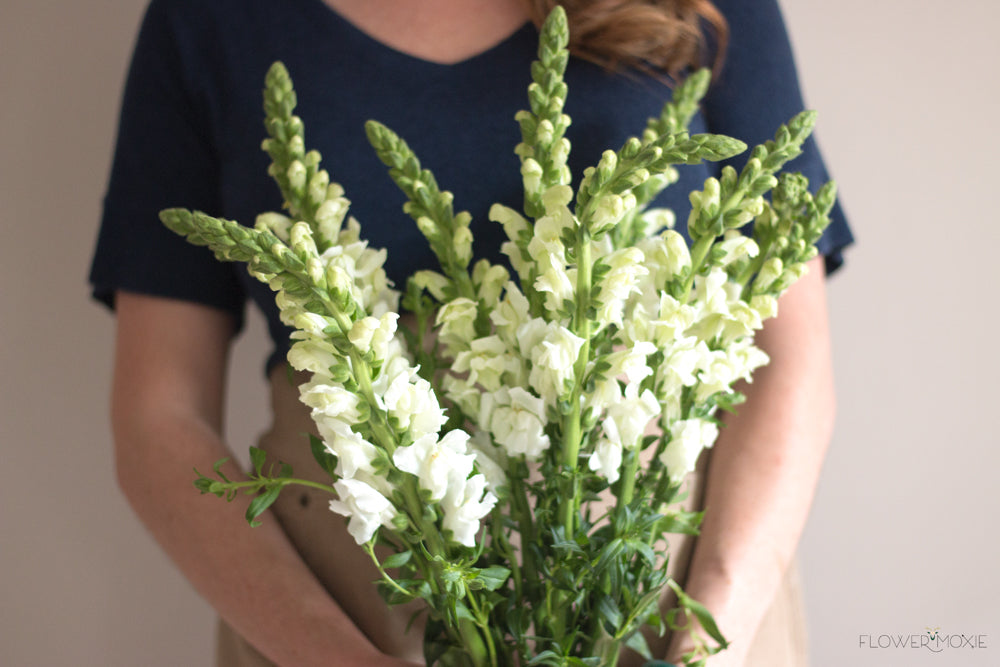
pixel 347 573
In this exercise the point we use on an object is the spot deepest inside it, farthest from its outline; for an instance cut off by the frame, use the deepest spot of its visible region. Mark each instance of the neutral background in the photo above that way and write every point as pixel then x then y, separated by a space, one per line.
pixel 903 532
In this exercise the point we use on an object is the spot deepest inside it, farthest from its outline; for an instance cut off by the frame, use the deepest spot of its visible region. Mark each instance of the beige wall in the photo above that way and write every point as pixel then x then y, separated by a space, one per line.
pixel 901 535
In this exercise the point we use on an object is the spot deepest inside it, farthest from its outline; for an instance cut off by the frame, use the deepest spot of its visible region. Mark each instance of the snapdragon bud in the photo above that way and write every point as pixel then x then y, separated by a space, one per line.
pixel 489 280
pixel 340 283
pixel 531 174
pixel 462 243
pixel 318 185
pixel 330 215
pixel 769 272
pixel 296 176
pixel 296 145
pixel 560 153
pixel 301 240
pixel 545 132
pixel 316 271
pixel 428 228
pixel 606 167
pixel 276 223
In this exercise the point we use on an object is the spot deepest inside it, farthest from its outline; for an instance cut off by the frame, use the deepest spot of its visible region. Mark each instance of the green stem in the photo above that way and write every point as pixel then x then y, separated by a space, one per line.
pixel 698 254
pixel 259 483
pixel 482 620
pixel 572 427
pixel 385 576
pixel 629 473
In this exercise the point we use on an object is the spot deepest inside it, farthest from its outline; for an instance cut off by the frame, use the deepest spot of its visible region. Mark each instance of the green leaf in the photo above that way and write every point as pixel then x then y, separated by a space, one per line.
pixel 260 504
pixel 397 560
pixel 326 460
pixel 637 642
pixel 493 577
pixel 610 613
pixel 257 459
pixel 705 618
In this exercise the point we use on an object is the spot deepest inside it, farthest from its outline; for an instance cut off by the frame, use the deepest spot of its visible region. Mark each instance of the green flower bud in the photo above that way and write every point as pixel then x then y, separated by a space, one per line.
pixel 531 174
pixel 296 146
pixel 341 285
pixel 296 176
pixel 318 185
pixel 301 240
pixel 428 228
pixel 544 132
pixel 316 271
pixel 462 242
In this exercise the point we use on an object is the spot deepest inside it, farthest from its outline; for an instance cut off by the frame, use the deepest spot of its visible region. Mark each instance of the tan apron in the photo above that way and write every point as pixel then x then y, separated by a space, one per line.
pixel 347 573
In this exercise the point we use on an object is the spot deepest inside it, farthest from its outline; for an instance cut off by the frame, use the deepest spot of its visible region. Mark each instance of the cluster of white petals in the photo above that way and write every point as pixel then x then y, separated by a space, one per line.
pixel 442 464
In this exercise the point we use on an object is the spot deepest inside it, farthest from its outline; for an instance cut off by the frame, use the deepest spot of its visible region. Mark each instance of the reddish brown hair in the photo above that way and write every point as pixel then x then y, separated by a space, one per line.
pixel 658 36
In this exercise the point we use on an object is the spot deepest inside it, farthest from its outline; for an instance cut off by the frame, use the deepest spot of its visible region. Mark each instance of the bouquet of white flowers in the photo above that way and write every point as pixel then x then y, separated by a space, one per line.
pixel 478 445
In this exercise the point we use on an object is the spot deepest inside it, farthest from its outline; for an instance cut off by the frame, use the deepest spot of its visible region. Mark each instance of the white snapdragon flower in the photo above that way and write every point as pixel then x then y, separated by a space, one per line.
pixel 627 419
pixel 631 362
pixel 436 463
pixel 741 321
pixel 313 324
pixel 411 401
pixel 361 333
pixel 510 313
pixel 457 320
pixel 626 266
pixel 517 421
pixel 464 507
pixel 746 358
pixel 513 222
pixel 354 453
pixel 366 508
pixel 552 361
pixel 680 364
pixel 331 213
pixel 765 305
pixel 313 355
pixel 289 307
pixel 736 246
pixel 717 373
pixel 607 459
pixel 489 280
pixel 487 361
pixel 330 399
pixel 433 282
pixel 688 437
pixel 464 394
pixel 384 343
pixel 490 460
pixel 609 209
pixel 557 282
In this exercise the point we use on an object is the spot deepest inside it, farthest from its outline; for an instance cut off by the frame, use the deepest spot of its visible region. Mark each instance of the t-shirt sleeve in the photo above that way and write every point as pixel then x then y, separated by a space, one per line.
pixel 758 90
pixel 164 157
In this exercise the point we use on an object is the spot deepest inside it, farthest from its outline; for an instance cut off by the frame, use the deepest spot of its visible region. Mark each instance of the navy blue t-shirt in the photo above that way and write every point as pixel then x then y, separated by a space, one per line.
pixel 192 123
